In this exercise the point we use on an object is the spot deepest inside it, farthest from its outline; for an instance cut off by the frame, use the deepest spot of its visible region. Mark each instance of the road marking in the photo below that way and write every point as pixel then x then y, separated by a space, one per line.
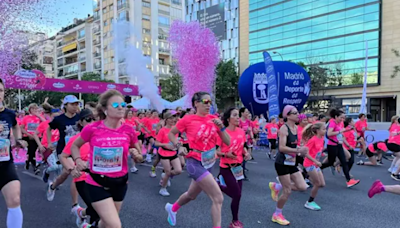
pixel 251 162
pixel 31 175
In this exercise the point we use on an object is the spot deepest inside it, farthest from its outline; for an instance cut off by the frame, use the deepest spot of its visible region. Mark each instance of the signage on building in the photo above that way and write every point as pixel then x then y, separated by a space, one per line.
pixel 214 20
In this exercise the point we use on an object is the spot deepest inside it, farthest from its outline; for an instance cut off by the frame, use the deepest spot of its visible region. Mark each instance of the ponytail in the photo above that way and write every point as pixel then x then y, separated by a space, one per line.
pixel 311 130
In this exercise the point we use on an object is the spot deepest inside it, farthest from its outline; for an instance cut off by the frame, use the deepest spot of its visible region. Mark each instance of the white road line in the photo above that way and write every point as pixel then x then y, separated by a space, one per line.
pixel 32 175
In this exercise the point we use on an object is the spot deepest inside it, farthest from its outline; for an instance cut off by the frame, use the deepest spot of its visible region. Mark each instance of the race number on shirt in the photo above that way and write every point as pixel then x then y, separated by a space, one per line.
pixel 107 160
pixel 4 150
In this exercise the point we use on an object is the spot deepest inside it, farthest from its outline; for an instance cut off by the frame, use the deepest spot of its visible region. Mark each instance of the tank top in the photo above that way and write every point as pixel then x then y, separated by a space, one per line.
pixel 291 141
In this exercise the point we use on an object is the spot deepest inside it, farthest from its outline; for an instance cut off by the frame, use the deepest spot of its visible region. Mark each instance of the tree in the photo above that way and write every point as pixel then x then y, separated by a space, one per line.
pixel 356 79
pixel 172 87
pixel 92 76
pixel 396 69
pixel 226 84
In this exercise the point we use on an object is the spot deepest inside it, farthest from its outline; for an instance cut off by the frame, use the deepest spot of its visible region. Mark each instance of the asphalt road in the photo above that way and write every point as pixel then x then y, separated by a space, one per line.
pixel 144 207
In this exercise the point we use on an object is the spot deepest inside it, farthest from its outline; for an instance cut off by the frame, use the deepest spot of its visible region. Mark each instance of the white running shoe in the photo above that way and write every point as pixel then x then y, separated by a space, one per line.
pixel 50 193
pixel 76 211
pixel 153 174
pixel 134 169
pixel 169 180
pixel 171 215
pixel 148 158
pixel 163 192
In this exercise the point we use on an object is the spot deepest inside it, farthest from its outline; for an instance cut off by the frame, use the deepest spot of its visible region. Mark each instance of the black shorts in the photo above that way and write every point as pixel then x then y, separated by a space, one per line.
pixel 393 147
pixel 168 158
pixel 85 195
pixel 282 170
pixel 7 173
pixel 369 153
pixel 273 143
pixel 100 193
pixel 186 145
pixel 141 137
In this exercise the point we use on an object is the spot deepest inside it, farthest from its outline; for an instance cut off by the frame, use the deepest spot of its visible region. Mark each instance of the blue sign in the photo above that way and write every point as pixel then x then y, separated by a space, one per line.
pixel 273 101
pixel 293 85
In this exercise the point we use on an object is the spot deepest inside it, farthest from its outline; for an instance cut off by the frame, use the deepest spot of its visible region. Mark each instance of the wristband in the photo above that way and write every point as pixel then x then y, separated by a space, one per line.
pixel 77 158
pixel 223 129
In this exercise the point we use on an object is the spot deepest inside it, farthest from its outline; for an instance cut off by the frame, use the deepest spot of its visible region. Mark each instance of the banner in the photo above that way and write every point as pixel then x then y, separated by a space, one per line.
pixel 36 80
pixel 363 107
pixel 293 87
pixel 273 104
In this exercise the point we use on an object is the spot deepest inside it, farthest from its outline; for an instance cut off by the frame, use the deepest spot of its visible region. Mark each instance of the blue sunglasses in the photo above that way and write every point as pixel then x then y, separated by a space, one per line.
pixel 116 105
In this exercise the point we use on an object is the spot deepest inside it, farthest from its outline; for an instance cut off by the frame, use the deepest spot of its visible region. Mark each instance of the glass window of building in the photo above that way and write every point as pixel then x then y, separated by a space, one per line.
pixel 146 4
pixel 329 34
pixel 163 21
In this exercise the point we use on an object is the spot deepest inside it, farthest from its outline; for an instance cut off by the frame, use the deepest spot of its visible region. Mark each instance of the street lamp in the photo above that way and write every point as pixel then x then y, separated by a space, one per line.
pixel 277 53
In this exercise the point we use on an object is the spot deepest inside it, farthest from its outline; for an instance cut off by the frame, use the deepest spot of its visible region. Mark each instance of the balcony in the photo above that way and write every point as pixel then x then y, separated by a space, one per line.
pixel 164 70
pixel 167 1
pixel 122 5
pixel 96 30
pixel 96 17
pixel 162 37
pixel 62 43
pixel 96 54
pixel 82 58
pixel 60 64
pixel 164 50
pixel 97 65
pixel 71 61
pixel 83 69
pixel 70 73
pixel 163 25
pixel 177 2
pixel 96 42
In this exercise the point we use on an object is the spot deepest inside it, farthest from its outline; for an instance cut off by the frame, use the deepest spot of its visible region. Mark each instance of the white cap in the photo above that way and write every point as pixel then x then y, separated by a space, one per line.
pixel 70 99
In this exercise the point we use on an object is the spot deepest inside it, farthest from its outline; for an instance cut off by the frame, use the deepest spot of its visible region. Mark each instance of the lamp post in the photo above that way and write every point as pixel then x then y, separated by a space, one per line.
pixel 277 53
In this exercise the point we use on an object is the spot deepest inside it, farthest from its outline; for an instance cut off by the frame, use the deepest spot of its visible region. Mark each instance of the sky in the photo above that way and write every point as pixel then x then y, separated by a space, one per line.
pixel 56 14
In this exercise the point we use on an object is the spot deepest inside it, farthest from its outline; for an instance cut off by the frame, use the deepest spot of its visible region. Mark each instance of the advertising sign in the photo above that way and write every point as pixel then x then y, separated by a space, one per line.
pixel 215 20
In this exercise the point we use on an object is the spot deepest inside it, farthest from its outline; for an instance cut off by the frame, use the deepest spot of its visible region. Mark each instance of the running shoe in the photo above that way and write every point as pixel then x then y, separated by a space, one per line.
pixel 36 170
pixel 163 192
pixel 274 191
pixel 221 180
pixel 85 225
pixel 236 224
pixel 376 188
pixel 338 169
pixel 380 162
pixel 148 158
pixel 134 170
pixel 169 180
pixel 45 176
pixel 395 177
pixel 77 211
pixel 269 154
pixel 278 218
pixel 360 163
pixel 50 192
pixel 312 206
pixel 153 174
pixel 171 215
pixel 352 183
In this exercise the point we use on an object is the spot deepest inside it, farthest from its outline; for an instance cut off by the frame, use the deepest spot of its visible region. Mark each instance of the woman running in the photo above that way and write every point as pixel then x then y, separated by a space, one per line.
pixel 335 145
pixel 350 140
pixel 202 131
pixel 313 136
pixel 394 166
pixel 231 158
pixel 361 127
pixel 29 126
pixel 272 135
pixel 374 153
pixel 285 164
pixel 132 121
pixel 151 126
pixel 110 143
pixel 394 146
pixel 10 185
pixel 87 117
pixel 247 127
pixel 167 153
pixel 377 187
pixel 304 120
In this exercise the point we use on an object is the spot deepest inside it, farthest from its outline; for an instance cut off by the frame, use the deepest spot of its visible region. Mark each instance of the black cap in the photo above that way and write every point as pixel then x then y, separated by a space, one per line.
pixel 85 113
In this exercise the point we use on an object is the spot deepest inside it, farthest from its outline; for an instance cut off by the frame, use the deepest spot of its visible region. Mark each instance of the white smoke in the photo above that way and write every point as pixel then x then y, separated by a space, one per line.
pixel 125 42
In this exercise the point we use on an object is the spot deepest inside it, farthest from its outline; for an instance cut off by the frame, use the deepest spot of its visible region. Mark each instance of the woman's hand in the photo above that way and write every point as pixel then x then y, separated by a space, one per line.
pixel 230 155
pixel 80 164
pixel 247 157
pixel 182 151
pixel 218 122
pixel 75 173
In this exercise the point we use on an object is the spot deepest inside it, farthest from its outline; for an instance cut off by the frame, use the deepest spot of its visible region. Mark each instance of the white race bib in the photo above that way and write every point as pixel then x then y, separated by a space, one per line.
pixel 208 158
pixel 32 127
pixel 238 172
pixel 274 130
pixel 340 138
pixel 107 159
pixel 5 150
pixel 290 160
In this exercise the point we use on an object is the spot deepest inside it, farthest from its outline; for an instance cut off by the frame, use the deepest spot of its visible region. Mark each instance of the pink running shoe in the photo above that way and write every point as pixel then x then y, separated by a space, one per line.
pixel 376 188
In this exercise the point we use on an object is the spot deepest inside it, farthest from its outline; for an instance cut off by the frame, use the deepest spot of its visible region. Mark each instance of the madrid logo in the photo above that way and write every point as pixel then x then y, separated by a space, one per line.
pixel 260 83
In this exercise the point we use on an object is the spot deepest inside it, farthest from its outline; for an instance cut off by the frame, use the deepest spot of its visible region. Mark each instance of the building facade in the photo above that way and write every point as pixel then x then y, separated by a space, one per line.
pixel 151 17
pixel 73 50
pixel 336 36
pixel 44 50
pixel 230 45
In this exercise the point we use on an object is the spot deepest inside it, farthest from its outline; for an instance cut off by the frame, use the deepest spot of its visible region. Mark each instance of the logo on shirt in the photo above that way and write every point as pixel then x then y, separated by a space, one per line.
pixel 206 133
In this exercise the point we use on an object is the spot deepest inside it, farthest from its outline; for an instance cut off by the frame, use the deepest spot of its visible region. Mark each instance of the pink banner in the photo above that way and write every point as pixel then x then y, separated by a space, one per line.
pixel 36 80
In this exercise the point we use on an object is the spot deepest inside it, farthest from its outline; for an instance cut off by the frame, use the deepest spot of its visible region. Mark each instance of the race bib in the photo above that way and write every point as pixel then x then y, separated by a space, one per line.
pixel 318 156
pixel 238 172
pixel 31 127
pixel 107 160
pixel 340 138
pixel 355 134
pixel 4 150
pixel 208 158
pixel 67 139
pixel 274 130
pixel 290 160
pixel 154 126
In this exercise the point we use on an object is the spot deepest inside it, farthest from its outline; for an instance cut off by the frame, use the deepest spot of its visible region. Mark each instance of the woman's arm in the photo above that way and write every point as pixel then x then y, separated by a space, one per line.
pixel 225 137
pixel 172 137
pixel 283 133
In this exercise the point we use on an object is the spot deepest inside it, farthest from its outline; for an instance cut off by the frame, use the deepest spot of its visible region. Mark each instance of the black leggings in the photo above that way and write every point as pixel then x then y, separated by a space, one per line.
pixel 351 160
pixel 337 151
pixel 32 147
pixel 80 186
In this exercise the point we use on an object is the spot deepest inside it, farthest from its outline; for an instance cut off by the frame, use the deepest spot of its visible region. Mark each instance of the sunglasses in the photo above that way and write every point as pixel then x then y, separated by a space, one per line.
pixel 293 113
pixel 116 105
pixel 206 101
pixel 89 119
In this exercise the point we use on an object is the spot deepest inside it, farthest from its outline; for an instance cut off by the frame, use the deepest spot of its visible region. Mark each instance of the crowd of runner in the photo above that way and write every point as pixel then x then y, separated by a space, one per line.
pixel 94 143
